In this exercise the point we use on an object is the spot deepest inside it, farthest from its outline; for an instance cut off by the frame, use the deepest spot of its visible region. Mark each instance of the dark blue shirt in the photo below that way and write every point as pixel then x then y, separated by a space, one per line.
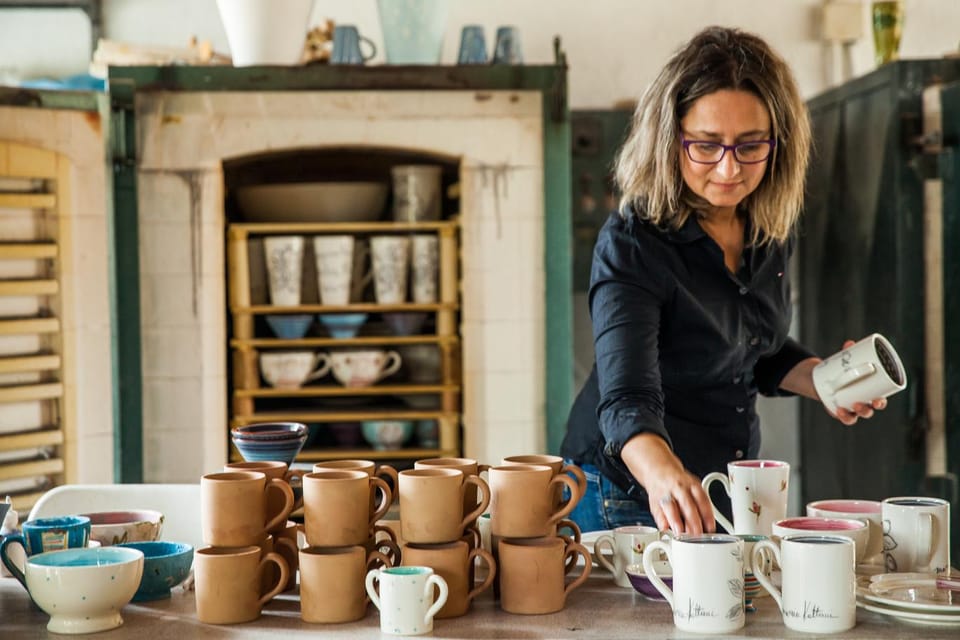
pixel 682 347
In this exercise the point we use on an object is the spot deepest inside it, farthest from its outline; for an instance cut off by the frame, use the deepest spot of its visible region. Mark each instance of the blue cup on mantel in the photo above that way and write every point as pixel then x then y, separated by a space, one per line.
pixel 46 534
pixel 473 46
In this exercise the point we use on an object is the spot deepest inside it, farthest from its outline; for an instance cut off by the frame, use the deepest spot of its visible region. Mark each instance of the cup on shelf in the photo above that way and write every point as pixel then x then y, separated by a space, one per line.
pixel 291 369
pixel 363 367
pixel 284 256
pixel 473 45
pixel 424 260
pixel 391 260
pixel 337 259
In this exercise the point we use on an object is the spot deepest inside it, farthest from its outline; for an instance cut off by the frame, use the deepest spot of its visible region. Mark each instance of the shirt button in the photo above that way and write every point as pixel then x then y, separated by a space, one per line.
pixel 743 291
pixel 739 453
pixel 754 341
pixel 737 379
pixel 740 409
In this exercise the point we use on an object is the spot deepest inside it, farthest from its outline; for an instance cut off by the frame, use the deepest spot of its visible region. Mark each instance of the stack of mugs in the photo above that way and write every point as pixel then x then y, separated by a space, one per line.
pixel 342 501
pixel 530 496
pixel 244 515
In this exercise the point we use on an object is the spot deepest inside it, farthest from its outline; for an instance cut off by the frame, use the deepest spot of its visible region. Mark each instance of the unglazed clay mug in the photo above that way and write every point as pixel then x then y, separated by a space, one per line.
pixel 453 561
pixel 758 494
pixel 337 507
pixel 468 466
pixel 363 367
pixel 228 583
pixel 523 500
pixel 819 583
pixel 431 504
pixel 271 469
pixel 626 545
pixel 916 534
pixel 558 465
pixel 286 549
pixel 406 598
pixel 234 507
pixel 707 595
pixel 286 542
pixel 369 467
pixel 533 573
pixel 332 582
pixel 865 371
pixel 868 511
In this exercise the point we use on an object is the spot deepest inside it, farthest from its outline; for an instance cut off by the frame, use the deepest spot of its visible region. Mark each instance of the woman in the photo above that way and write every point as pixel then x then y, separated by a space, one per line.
pixel 689 294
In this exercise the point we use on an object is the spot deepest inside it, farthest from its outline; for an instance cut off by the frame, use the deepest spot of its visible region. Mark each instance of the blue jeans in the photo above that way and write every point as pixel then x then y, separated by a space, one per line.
pixel 604 505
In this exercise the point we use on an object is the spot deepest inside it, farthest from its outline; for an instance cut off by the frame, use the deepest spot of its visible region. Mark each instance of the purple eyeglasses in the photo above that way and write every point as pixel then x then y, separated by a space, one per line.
pixel 710 152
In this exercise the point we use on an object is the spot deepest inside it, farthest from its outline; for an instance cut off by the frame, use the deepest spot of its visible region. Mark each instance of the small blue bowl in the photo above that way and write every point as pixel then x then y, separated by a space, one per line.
pixel 290 327
pixel 385 435
pixel 342 325
pixel 165 565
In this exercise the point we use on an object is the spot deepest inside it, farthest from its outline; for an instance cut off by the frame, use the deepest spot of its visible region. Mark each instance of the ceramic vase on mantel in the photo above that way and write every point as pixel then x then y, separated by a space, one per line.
pixel 413 30
pixel 265 31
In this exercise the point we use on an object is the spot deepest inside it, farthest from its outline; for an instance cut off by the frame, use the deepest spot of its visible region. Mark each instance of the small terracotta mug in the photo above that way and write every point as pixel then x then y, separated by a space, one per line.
pixel 271 469
pixel 533 573
pixel 431 504
pixel 336 507
pixel 234 507
pixel 228 583
pixel 332 582
pixel 453 561
pixel 523 500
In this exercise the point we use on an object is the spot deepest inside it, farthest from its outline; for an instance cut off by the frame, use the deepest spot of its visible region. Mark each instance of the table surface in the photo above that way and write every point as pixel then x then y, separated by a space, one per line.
pixel 598 609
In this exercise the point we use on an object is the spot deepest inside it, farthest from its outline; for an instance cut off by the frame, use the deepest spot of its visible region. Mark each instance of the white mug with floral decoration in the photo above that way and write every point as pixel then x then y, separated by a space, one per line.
pixel 758 494
pixel 626 546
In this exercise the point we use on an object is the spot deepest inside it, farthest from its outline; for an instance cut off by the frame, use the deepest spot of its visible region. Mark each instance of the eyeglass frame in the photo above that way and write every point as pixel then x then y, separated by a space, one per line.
pixel 770 142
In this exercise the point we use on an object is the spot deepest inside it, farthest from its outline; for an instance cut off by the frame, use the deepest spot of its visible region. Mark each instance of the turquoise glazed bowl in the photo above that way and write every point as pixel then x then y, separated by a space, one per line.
pixel 342 325
pixel 165 565
pixel 291 327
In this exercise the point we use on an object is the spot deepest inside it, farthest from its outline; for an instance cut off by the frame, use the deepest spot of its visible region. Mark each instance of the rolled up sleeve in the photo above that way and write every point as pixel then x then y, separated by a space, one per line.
pixel 770 370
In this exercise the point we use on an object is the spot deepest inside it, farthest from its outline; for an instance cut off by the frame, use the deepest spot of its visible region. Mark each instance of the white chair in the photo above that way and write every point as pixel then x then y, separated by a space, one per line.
pixel 179 504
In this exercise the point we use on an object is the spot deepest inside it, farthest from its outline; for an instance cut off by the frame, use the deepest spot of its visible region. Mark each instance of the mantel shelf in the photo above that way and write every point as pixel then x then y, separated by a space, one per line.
pixel 339 416
pixel 360 307
pixel 338 391
pixel 359 341
pixel 269 228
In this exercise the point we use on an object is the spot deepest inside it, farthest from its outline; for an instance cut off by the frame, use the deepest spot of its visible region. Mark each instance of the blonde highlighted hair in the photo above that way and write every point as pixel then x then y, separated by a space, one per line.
pixel 648 164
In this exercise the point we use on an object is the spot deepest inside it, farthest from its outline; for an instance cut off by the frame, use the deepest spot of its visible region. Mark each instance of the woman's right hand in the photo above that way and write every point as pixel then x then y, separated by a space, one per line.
pixel 677 499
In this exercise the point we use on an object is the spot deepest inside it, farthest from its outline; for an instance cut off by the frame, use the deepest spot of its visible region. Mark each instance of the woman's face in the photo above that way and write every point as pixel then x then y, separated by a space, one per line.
pixel 728 117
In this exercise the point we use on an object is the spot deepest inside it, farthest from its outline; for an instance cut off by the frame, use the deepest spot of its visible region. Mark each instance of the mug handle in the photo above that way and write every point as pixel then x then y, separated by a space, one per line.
pixel 373 48
pixel 650 554
pixel 391 365
pixel 8 561
pixel 278 560
pixel 575 549
pixel 323 367
pixel 578 474
pixel 926 532
pixel 566 507
pixel 487 557
pixel 849 376
pixel 281 518
pixel 385 503
pixel 441 584
pixel 391 473
pixel 483 488
pixel 757 559
pixel 373 557
pixel 598 546
pixel 372 576
pixel 722 479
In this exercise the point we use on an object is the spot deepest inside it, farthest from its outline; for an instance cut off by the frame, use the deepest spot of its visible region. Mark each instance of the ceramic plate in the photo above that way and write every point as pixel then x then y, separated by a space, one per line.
pixel 917 594
pixel 939 619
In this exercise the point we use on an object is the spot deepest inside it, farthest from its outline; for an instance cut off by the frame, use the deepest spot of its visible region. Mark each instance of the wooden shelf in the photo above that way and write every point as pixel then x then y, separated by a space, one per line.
pixel 45 437
pixel 27 250
pixel 29 287
pixel 31 468
pixel 39 362
pixel 263 229
pixel 27 200
pixel 339 391
pixel 20 326
pixel 359 307
pixel 26 392
pixel 359 341
pixel 339 416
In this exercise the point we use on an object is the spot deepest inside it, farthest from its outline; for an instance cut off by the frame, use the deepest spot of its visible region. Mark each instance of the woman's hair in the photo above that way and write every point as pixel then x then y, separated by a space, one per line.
pixel 717 58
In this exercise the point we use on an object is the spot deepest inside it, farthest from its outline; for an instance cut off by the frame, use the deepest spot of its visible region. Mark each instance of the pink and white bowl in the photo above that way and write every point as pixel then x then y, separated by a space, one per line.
pixel 856 530
pixel 868 511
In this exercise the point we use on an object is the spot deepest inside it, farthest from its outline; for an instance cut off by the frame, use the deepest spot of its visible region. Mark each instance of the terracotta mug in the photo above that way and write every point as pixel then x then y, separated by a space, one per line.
pixel 336 507
pixel 271 469
pixel 371 468
pixel 452 561
pixel 384 539
pixel 533 573
pixel 285 548
pixel 523 502
pixel 332 582
pixel 468 466
pixel 228 583
pixel 234 507
pixel 558 465
pixel 431 504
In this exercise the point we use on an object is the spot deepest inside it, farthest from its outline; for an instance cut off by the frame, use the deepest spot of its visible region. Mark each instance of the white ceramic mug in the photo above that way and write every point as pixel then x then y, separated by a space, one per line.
pixel 868 511
pixel 363 367
pixel 290 369
pixel 626 545
pixel 916 534
pixel 707 595
pixel 391 260
pixel 819 583
pixel 334 260
pixel 284 256
pixel 406 598
pixel 863 372
pixel 758 494
pixel 424 259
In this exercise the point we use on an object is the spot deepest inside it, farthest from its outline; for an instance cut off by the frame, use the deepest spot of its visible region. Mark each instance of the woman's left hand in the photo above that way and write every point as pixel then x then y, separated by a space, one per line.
pixel 860 409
